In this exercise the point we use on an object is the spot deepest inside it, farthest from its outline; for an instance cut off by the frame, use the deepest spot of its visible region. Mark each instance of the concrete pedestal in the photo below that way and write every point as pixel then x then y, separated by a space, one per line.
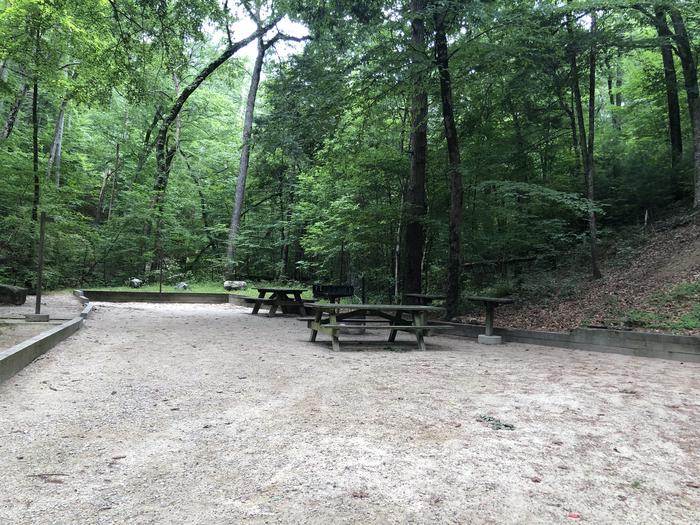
pixel 36 318
pixel 489 339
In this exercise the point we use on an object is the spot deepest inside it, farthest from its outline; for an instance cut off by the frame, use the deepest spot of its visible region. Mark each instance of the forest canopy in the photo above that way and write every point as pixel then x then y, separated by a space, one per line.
pixel 328 141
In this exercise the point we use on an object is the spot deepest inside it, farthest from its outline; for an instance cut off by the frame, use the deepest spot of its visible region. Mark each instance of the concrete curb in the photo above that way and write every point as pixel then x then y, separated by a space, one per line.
pixel 643 344
pixel 86 311
pixel 17 357
pixel 81 296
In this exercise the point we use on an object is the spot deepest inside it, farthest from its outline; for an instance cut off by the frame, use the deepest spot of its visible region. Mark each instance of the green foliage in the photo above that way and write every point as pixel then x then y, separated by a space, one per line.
pixel 331 146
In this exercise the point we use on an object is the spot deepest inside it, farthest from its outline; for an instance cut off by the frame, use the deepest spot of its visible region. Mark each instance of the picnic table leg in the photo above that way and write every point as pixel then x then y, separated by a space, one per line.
pixel 273 306
pixel 256 308
pixel 419 320
pixel 396 321
pixel 298 299
pixel 316 322
pixel 489 319
pixel 334 331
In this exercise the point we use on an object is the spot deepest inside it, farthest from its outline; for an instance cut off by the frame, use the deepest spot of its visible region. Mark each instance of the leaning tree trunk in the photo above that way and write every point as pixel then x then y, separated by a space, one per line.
pixel 244 162
pixel 416 205
pixel 13 112
pixel 454 259
pixel 164 152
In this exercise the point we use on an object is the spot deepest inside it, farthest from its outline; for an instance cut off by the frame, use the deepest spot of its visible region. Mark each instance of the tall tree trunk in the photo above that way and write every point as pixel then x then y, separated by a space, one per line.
pixel 13 112
pixel 3 79
pixel 35 150
pixel 115 182
pixel 454 258
pixel 416 205
pixel 245 161
pixel 165 153
pixel 587 143
pixel 674 108
pixel 101 198
pixel 147 147
pixel 690 77
pixel 54 165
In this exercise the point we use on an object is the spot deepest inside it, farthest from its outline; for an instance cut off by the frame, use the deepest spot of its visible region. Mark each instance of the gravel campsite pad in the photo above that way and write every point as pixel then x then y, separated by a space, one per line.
pixel 207 414
pixel 14 329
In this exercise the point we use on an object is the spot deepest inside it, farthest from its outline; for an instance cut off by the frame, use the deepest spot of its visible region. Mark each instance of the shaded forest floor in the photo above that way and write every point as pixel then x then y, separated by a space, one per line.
pixel 654 286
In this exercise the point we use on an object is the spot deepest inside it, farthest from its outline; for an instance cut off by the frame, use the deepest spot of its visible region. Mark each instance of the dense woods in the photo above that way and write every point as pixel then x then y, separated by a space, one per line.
pixel 330 141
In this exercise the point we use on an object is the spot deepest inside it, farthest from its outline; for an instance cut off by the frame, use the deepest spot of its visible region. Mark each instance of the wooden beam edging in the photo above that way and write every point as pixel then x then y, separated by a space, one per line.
pixel 19 356
pixel 642 344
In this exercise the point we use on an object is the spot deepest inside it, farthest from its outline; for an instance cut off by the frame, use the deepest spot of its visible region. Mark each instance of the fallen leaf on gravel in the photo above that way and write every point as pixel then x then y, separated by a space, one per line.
pixel 536 479
pixel 693 485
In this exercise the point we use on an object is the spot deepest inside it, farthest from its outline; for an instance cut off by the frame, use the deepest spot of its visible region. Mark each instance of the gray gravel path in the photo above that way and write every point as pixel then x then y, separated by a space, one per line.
pixel 206 414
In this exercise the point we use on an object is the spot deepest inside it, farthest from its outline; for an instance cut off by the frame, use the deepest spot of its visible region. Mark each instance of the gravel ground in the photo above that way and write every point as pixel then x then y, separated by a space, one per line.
pixel 14 329
pixel 59 305
pixel 206 414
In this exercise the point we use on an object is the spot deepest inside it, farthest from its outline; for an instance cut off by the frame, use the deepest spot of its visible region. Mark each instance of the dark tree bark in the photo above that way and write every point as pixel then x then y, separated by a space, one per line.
pixel 587 142
pixel 454 259
pixel 13 112
pixel 690 77
pixel 416 205
pixel 35 150
pixel 674 108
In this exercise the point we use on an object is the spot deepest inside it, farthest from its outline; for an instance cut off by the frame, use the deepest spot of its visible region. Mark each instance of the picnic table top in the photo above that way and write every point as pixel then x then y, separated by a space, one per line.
pixel 376 307
pixel 281 290
pixel 495 300
pixel 424 296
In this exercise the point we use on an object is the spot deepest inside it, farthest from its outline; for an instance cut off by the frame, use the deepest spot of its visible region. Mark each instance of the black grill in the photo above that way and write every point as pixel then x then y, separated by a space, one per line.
pixel 332 291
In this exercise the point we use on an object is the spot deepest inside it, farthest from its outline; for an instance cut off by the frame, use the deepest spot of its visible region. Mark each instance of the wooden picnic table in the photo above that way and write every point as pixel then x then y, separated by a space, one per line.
pixel 280 298
pixel 491 303
pixel 391 313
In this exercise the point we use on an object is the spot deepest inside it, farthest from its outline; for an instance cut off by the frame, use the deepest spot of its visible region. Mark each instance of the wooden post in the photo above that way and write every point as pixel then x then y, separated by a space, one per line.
pixel 40 264
pixel 489 319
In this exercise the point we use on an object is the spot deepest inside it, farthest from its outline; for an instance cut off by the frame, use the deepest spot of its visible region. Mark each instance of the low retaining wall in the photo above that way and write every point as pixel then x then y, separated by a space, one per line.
pixel 644 344
pixel 164 297
pixel 17 357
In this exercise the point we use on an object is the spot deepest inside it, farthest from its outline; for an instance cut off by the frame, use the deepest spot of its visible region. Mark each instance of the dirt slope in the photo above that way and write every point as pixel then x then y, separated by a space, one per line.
pixel 670 257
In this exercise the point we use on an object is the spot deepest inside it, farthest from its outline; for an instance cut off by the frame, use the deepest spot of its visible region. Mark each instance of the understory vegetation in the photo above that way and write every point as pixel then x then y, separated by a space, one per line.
pixel 499 148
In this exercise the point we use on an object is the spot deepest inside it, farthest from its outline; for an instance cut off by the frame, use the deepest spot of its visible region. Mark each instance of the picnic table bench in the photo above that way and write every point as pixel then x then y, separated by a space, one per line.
pixel 491 303
pixel 338 317
pixel 279 298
